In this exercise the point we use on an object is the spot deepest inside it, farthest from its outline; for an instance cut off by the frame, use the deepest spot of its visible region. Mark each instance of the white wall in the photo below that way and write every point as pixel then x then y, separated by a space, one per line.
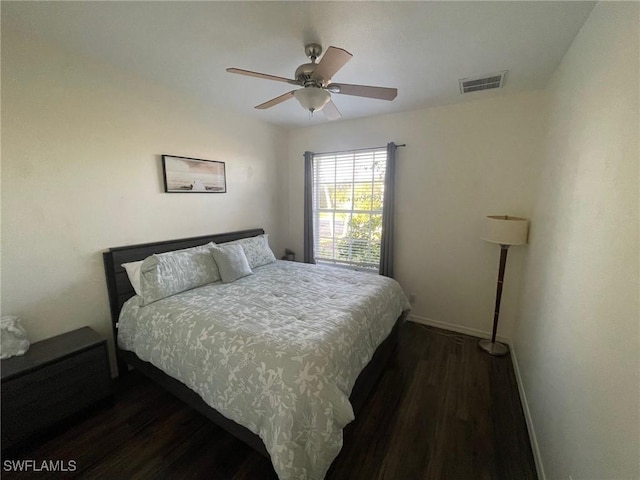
pixel 577 340
pixel 461 163
pixel 81 172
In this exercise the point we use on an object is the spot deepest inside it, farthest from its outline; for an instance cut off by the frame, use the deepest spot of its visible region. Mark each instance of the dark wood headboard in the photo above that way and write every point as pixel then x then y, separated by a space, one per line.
pixel 118 285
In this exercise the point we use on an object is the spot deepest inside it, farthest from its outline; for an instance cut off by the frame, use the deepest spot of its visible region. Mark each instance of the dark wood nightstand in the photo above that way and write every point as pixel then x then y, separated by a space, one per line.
pixel 55 381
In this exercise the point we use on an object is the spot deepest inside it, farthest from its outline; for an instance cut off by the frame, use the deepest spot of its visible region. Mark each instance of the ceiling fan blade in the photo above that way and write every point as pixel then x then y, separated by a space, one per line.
pixel 265 76
pixel 381 93
pixel 332 61
pixel 275 101
pixel 331 111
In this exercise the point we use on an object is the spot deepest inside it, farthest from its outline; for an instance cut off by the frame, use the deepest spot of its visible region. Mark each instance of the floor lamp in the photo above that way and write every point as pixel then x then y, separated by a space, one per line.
pixel 505 231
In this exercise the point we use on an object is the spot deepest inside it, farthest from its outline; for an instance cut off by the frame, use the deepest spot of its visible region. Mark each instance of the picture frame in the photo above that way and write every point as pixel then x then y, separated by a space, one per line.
pixel 193 175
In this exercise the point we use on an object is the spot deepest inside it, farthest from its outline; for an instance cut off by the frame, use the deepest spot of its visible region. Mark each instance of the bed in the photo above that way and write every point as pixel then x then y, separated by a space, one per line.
pixel 282 358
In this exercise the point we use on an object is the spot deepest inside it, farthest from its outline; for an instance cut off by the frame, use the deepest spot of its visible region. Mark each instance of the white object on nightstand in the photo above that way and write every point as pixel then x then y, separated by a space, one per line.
pixel 13 337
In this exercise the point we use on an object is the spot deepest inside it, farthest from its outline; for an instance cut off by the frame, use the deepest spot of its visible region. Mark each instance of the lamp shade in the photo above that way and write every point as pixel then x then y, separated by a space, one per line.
pixel 312 98
pixel 505 230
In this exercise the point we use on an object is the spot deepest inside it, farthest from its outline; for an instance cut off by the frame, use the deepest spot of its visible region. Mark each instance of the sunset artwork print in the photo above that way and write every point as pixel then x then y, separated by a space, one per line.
pixel 191 175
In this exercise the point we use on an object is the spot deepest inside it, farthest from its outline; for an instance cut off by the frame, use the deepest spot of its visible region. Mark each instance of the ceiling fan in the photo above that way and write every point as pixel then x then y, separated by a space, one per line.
pixel 316 80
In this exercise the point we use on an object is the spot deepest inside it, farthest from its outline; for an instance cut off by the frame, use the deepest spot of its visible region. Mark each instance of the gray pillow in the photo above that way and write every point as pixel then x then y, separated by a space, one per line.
pixel 166 274
pixel 256 249
pixel 232 262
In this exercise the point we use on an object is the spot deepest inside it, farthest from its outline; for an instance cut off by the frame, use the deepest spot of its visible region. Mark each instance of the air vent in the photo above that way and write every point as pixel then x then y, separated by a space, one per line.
pixel 484 82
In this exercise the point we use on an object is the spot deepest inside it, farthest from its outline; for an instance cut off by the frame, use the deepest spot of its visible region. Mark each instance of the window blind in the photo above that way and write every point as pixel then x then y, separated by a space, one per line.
pixel 348 195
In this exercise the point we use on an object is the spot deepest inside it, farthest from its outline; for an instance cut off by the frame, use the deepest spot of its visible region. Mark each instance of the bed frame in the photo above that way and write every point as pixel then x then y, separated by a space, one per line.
pixel 120 290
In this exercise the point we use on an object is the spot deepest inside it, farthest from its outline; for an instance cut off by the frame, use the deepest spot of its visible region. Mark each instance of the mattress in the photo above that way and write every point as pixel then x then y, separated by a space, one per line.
pixel 278 351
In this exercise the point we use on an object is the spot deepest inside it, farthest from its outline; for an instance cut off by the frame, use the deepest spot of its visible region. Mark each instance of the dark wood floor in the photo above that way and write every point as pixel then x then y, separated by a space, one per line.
pixel 442 410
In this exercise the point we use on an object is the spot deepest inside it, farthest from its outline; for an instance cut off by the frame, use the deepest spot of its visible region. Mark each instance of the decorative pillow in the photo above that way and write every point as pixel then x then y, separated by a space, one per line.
pixel 232 262
pixel 256 249
pixel 165 274
pixel 133 272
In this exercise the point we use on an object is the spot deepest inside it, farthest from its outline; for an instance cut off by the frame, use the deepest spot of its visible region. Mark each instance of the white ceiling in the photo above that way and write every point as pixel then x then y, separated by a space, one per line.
pixel 421 48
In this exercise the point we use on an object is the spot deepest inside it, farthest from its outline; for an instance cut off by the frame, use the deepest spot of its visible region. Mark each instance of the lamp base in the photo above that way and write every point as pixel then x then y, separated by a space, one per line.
pixel 493 348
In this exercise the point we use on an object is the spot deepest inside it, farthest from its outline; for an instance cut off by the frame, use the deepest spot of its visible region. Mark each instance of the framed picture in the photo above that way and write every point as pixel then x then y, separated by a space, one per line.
pixel 191 175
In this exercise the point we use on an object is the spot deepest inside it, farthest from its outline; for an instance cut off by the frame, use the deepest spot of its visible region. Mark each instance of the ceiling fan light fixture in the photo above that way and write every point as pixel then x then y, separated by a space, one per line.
pixel 312 98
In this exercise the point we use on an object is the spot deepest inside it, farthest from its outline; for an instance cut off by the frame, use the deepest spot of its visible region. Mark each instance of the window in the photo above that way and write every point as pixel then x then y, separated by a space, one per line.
pixel 348 194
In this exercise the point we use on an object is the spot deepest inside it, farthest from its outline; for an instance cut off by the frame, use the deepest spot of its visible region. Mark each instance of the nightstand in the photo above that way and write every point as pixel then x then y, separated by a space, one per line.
pixel 56 380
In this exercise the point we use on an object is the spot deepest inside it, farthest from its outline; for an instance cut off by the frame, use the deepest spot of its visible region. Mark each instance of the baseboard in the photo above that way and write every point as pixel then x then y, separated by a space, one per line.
pixel 474 332
pixel 527 415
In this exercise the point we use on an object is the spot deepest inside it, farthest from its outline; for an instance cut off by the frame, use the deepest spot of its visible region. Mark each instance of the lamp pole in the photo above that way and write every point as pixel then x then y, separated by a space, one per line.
pixel 493 347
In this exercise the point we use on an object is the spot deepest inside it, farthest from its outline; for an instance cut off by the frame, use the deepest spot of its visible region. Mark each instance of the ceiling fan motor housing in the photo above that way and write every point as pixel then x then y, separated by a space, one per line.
pixel 304 72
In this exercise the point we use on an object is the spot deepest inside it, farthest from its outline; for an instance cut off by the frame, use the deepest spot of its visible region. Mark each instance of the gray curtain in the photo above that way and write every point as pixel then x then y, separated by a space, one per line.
pixel 308 208
pixel 388 207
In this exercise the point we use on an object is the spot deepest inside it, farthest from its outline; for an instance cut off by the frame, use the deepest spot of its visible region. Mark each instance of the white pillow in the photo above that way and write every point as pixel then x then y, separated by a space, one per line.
pixel 133 272
pixel 232 262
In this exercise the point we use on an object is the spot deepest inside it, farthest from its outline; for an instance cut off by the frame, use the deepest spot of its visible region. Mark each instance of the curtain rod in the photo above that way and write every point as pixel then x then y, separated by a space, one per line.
pixel 356 150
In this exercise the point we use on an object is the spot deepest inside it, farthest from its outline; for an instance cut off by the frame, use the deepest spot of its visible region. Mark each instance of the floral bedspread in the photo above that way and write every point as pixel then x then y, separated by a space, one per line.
pixel 277 352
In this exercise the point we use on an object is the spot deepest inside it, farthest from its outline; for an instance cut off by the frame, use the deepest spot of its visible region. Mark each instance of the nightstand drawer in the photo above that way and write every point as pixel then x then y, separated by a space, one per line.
pixel 58 379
